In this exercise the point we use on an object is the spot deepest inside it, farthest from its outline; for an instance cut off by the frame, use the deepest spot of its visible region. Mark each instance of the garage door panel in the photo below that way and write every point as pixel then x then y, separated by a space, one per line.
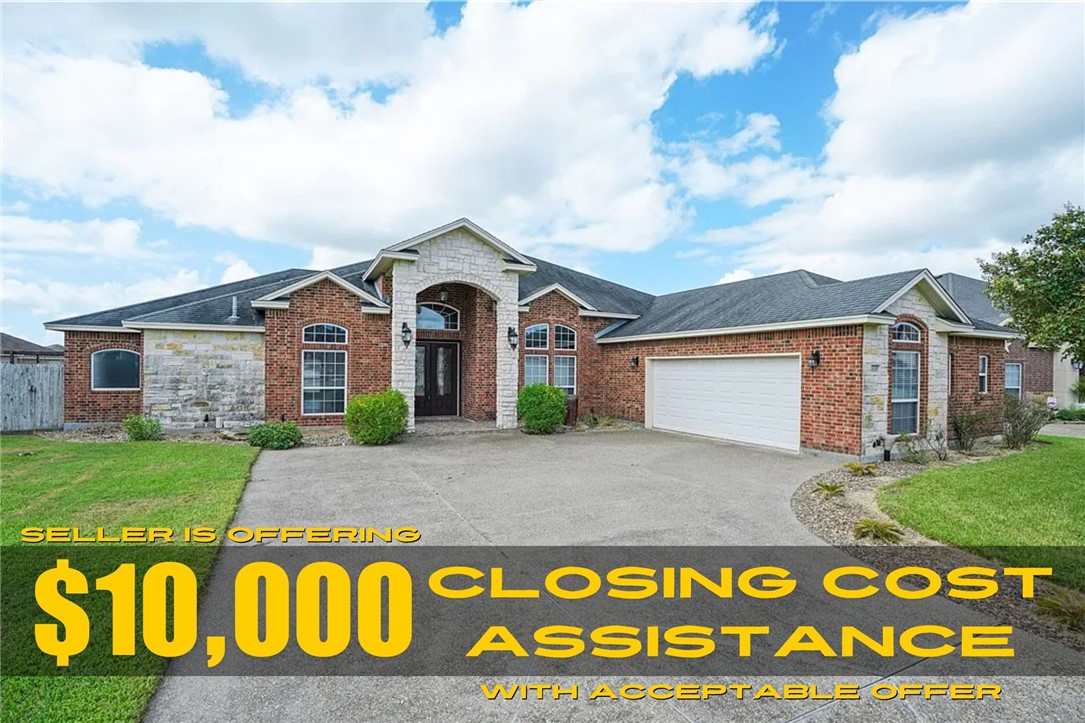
pixel 745 399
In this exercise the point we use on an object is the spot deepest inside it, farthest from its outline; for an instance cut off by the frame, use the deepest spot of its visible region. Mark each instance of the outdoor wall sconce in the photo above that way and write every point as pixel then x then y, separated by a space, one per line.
pixel 814 360
pixel 514 337
pixel 442 294
pixel 1077 364
pixel 634 362
pixel 407 334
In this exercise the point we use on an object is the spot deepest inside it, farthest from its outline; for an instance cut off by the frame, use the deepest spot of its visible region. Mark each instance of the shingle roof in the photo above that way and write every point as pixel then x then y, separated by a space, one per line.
pixel 790 296
pixel 971 295
pixel 187 304
pixel 602 294
pixel 13 344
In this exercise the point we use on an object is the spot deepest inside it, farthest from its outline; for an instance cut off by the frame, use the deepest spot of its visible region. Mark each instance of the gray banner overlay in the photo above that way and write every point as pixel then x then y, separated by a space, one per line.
pixel 444 630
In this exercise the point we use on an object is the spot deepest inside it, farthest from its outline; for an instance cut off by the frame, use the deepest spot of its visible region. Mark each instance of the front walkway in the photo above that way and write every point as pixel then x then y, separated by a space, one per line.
pixel 445 426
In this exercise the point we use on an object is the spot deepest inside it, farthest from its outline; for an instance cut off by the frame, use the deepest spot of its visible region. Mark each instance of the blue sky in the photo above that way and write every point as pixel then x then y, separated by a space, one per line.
pixel 151 149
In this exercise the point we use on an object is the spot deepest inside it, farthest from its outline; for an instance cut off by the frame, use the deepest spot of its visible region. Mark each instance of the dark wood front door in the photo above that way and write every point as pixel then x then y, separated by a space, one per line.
pixel 437 378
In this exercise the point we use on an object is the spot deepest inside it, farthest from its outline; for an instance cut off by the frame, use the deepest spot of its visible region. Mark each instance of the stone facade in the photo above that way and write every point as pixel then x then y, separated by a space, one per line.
pixel 458 257
pixel 203 378
pixel 913 307
pixel 875 387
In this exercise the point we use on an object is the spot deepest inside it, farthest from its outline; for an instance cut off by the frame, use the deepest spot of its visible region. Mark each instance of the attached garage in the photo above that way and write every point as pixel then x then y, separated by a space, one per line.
pixel 750 399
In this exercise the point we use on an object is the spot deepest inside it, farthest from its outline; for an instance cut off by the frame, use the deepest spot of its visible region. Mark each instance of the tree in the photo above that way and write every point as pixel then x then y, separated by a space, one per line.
pixel 1041 287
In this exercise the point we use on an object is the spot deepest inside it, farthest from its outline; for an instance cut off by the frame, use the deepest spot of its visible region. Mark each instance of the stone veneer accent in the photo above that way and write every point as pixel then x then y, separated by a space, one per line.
pixel 934 376
pixel 197 378
pixel 875 386
pixel 457 257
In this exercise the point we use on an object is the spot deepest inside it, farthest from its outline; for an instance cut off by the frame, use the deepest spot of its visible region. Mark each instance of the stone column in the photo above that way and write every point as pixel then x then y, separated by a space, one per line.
pixel 508 362
pixel 404 296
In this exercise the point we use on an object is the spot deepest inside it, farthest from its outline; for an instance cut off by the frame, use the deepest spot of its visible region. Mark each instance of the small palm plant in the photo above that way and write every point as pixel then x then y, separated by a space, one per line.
pixel 878 530
pixel 826 490
pixel 861 469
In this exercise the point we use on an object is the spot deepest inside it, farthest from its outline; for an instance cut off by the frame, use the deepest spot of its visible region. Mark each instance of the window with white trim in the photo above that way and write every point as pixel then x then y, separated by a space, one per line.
pixel 535 369
pixel 537 336
pixel 905 332
pixel 324 334
pixel 114 370
pixel 564 337
pixel 565 374
pixel 905 392
pixel 437 316
pixel 984 361
pixel 1013 379
pixel 323 381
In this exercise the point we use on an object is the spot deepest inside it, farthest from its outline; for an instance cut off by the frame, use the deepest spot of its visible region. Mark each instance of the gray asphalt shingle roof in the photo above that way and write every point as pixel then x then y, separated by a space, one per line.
pixel 602 294
pixel 12 344
pixel 971 295
pixel 790 296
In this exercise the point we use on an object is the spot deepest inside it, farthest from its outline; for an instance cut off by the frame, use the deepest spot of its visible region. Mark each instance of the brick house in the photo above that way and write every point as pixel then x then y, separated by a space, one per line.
pixel 458 321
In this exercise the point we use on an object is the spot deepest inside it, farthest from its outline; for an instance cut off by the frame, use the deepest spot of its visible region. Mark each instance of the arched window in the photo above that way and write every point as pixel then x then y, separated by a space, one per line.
pixel 537 336
pixel 114 370
pixel 324 334
pixel 905 332
pixel 564 337
pixel 437 316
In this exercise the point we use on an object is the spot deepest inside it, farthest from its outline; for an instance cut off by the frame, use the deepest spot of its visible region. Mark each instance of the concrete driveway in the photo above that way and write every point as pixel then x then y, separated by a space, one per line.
pixel 632 487
pixel 615 488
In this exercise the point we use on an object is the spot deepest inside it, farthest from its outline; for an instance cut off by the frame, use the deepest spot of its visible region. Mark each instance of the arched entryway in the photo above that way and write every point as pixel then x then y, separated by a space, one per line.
pixel 455 371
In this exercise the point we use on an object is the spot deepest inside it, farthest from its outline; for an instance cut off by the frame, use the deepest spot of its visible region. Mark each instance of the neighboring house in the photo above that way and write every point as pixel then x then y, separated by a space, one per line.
pixel 457 320
pixel 1030 370
pixel 14 350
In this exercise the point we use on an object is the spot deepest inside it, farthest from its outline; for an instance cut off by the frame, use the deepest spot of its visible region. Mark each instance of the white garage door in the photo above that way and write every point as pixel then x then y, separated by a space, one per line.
pixel 744 399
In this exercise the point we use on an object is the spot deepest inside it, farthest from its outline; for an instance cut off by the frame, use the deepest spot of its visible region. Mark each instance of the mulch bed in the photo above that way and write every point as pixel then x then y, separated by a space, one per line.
pixel 833 520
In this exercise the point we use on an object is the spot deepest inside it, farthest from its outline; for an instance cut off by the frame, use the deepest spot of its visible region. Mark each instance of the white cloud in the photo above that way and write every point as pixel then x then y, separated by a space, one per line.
pixel 56 299
pixel 237 268
pixel 278 43
pixel 954 134
pixel 110 239
pixel 535 120
pixel 736 275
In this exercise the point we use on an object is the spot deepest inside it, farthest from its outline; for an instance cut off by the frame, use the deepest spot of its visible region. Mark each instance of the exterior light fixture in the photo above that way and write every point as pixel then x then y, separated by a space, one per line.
pixel 634 362
pixel 407 334
pixel 442 294
pixel 814 360
pixel 514 337
pixel 1077 364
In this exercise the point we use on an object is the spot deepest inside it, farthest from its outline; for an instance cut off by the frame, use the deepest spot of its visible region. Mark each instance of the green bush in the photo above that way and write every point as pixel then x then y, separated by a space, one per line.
pixel 376 418
pixel 967 429
pixel 1078 389
pixel 142 429
pixel 1022 420
pixel 275 435
pixel 1071 414
pixel 541 407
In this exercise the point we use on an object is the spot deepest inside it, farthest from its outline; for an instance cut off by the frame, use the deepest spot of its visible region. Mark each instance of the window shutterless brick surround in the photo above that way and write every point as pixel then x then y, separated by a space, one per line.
pixel 965 397
pixel 1037 369
pixel 83 405
pixel 368 348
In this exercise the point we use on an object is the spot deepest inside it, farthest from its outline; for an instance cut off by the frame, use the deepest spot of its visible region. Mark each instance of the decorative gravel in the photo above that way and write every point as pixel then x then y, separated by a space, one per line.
pixel 833 520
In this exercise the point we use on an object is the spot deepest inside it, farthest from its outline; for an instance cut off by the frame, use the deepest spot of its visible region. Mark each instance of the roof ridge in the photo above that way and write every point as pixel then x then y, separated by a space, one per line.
pixel 219 296
pixel 732 283
pixel 590 276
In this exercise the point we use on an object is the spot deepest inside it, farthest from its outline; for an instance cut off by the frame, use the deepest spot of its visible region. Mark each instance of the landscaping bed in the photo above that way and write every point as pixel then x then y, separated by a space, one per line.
pixel 987 502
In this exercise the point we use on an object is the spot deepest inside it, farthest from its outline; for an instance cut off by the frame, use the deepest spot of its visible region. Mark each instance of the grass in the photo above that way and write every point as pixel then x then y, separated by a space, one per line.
pixel 141 484
pixel 1005 508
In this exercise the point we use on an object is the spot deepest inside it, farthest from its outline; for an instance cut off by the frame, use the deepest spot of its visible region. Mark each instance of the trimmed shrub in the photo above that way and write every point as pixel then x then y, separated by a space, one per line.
pixel 142 429
pixel 275 435
pixel 376 418
pixel 967 428
pixel 1071 414
pixel 541 407
pixel 1022 421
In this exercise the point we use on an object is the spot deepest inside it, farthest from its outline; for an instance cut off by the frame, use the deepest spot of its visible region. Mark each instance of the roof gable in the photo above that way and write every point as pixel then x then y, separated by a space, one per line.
pixel 317 278
pixel 468 225
pixel 933 291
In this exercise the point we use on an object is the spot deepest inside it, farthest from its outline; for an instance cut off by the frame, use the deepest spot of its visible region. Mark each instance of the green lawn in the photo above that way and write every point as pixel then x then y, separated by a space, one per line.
pixel 141 484
pixel 1006 507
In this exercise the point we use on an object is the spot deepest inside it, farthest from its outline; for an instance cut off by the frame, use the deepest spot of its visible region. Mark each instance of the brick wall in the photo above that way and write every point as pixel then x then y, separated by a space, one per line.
pixel 831 417
pixel 368 349
pixel 964 396
pixel 1037 369
pixel 477 336
pixel 81 405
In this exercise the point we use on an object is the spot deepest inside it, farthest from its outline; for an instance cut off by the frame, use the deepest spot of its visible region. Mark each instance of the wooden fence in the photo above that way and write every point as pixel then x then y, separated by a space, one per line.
pixel 31 397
